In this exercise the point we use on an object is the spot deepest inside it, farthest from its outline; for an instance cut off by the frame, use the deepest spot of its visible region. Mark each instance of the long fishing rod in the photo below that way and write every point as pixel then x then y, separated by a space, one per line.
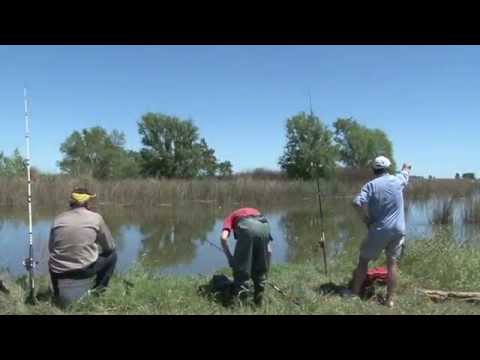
pixel 323 243
pixel 322 240
pixel 215 246
pixel 29 262
pixel 272 285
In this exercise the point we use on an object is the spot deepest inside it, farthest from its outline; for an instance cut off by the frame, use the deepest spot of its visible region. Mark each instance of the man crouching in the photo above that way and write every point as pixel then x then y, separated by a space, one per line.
pixel 81 245
pixel 251 258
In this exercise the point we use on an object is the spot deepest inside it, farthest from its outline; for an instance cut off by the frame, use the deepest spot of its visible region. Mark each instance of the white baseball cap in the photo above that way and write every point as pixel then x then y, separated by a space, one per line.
pixel 381 162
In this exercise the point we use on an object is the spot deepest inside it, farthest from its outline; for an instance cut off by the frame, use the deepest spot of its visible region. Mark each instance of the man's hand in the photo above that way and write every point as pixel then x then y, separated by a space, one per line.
pixel 363 213
pixel 407 167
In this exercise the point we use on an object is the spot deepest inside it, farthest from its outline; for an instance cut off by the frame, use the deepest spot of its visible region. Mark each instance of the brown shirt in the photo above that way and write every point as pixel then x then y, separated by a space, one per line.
pixel 77 237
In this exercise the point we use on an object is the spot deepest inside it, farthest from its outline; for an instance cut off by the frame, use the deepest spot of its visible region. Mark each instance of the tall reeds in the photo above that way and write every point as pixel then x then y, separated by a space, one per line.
pixel 51 191
pixel 54 190
pixel 442 212
pixel 471 212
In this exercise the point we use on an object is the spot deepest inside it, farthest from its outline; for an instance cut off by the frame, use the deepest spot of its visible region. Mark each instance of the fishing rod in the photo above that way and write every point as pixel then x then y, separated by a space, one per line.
pixel 322 241
pixel 29 262
pixel 280 291
pixel 215 246
pixel 272 285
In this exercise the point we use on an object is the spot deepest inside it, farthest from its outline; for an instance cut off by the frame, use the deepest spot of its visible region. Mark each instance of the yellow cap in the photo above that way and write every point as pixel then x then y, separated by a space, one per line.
pixel 82 198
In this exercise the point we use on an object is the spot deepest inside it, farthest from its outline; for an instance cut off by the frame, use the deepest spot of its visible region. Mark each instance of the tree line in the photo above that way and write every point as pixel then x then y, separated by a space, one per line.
pixel 313 149
pixel 172 148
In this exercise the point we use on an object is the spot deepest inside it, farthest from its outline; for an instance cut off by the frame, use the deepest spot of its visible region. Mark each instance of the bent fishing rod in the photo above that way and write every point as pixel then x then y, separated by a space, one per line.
pixel 315 165
pixel 322 241
pixel 272 285
pixel 29 262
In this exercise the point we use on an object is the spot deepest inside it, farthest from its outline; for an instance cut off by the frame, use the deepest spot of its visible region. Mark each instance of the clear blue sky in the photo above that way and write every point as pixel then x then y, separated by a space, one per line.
pixel 425 97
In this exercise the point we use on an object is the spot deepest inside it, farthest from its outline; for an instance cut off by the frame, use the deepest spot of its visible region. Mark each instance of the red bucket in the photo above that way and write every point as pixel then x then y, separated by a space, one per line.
pixel 379 274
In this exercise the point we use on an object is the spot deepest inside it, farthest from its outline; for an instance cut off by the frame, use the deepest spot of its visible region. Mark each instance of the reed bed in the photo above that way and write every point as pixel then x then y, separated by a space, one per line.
pixel 442 212
pixel 54 190
pixel 471 212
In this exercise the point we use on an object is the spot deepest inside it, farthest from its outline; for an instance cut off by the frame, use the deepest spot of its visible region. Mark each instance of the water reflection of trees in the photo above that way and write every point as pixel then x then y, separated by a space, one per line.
pixel 168 233
pixel 302 227
pixel 168 237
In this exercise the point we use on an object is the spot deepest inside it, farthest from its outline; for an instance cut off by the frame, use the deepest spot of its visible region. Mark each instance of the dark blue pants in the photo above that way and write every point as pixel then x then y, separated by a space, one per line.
pixel 102 268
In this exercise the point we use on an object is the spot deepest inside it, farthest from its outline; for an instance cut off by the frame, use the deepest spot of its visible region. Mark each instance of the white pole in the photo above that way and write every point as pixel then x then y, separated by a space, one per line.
pixel 29 262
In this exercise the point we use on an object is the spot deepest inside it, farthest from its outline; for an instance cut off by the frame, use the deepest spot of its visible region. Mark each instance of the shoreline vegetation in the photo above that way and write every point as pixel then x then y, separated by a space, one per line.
pixel 437 263
pixel 54 190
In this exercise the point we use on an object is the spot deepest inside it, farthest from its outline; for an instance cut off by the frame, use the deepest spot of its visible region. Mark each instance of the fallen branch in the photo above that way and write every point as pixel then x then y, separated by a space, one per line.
pixel 439 295
pixel 3 288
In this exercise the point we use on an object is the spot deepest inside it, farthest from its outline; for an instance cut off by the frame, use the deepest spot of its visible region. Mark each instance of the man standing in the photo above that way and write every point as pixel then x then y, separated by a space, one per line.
pixel 252 254
pixel 380 203
pixel 81 245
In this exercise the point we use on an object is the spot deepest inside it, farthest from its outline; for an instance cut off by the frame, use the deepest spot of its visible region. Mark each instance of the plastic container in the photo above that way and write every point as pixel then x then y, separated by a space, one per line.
pixel 72 290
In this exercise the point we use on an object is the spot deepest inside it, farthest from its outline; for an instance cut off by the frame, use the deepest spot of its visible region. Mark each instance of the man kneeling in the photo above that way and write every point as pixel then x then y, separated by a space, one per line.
pixel 81 245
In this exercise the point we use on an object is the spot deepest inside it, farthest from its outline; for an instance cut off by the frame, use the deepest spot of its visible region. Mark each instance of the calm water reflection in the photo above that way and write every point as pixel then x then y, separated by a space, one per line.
pixel 174 240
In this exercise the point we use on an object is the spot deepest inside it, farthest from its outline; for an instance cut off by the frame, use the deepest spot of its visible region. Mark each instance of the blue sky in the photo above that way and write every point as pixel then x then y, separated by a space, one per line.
pixel 425 97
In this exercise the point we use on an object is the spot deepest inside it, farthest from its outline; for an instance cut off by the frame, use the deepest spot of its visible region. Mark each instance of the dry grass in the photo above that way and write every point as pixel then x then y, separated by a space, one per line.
pixel 54 190
pixel 424 190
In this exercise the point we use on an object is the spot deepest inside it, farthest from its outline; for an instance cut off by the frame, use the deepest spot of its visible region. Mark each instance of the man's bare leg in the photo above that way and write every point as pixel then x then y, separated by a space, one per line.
pixel 392 280
pixel 360 276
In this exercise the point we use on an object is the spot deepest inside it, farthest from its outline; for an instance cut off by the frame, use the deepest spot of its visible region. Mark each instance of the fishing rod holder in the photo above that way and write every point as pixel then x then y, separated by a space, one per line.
pixel 30 264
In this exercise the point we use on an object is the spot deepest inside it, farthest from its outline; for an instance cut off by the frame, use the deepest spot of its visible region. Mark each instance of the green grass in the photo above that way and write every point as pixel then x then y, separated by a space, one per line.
pixel 435 263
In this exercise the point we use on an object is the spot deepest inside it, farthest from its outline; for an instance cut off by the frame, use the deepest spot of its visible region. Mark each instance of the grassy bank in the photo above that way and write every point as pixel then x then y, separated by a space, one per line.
pixel 435 263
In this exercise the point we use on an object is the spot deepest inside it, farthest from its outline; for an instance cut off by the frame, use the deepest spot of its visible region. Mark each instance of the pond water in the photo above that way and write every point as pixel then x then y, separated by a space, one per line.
pixel 175 240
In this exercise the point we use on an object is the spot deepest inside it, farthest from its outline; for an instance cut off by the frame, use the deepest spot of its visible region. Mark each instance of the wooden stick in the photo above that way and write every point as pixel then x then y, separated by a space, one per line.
pixel 440 295
pixel 3 288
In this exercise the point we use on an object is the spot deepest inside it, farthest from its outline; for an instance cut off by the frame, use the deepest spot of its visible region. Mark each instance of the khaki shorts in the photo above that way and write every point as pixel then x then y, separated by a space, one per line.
pixel 377 241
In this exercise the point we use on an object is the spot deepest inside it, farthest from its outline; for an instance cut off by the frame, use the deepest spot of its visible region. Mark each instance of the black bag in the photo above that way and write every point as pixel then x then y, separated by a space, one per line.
pixel 221 284
pixel 220 288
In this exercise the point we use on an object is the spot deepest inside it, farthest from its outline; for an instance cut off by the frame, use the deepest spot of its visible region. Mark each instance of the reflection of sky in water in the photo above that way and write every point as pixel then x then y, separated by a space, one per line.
pixel 14 245
pixel 293 230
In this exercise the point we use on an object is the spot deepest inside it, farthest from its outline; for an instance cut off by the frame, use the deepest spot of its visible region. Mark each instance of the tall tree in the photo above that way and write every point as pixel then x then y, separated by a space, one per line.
pixel 224 169
pixel 359 145
pixel 309 150
pixel 13 165
pixel 208 164
pixel 172 148
pixel 94 152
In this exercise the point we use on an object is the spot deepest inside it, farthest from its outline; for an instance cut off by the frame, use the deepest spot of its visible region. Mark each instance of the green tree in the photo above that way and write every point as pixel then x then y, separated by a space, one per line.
pixel 12 166
pixel 126 165
pixel 95 152
pixel 172 148
pixel 359 145
pixel 208 160
pixel 309 150
pixel 470 176
pixel 224 169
